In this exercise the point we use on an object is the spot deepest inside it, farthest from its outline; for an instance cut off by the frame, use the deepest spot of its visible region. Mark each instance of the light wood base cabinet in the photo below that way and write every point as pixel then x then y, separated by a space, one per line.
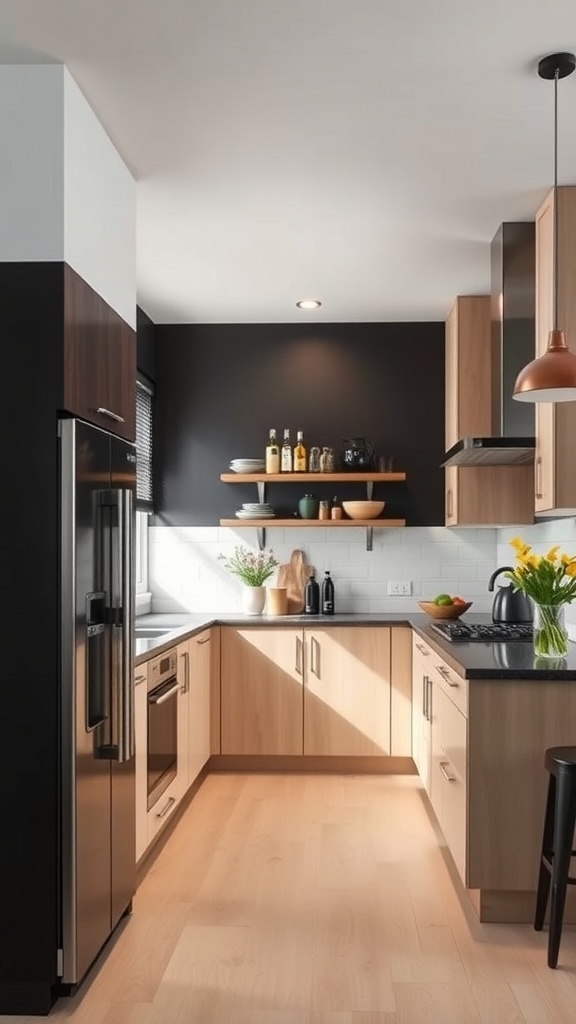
pixel 483 769
pixel 347 690
pixel 261 690
pixel 316 691
pixel 199 719
pixel 140 732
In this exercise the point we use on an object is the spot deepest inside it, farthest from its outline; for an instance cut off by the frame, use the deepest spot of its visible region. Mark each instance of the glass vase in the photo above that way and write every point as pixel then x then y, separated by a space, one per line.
pixel 550 634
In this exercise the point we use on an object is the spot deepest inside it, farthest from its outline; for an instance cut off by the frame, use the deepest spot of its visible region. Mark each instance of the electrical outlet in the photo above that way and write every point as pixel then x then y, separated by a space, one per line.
pixel 402 588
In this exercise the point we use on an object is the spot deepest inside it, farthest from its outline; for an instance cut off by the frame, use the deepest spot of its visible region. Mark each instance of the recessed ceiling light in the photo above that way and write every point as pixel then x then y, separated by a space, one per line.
pixel 308 303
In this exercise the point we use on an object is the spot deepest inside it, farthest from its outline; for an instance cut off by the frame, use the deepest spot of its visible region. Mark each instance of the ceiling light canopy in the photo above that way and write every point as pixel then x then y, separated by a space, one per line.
pixel 308 303
pixel 552 377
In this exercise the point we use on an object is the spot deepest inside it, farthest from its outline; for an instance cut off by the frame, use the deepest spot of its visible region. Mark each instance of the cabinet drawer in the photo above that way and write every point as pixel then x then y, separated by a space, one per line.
pixel 449 784
pixel 164 808
pixel 454 686
pixel 420 649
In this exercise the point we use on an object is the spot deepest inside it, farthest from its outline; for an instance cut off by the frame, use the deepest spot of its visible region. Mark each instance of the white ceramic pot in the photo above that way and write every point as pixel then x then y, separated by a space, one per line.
pixel 253 600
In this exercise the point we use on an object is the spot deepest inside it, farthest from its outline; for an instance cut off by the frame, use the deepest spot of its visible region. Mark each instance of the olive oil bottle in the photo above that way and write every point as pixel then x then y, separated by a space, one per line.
pixel 272 453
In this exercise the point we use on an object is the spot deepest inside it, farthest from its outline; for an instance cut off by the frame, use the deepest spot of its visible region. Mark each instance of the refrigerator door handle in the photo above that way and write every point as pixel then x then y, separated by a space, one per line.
pixel 127 554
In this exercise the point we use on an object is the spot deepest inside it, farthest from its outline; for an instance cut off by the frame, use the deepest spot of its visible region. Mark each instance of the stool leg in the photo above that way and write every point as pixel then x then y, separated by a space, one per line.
pixel 544 877
pixel 564 823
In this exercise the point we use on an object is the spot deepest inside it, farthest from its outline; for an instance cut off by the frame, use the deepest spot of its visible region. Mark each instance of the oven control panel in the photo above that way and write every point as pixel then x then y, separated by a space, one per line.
pixel 162 668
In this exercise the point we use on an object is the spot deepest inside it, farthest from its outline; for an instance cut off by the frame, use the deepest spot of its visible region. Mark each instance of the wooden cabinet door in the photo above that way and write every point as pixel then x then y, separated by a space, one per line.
pixel 99 360
pixel 200 648
pixel 183 670
pixel 347 691
pixel 141 764
pixel 421 687
pixel 451 377
pixel 544 497
pixel 448 791
pixel 261 690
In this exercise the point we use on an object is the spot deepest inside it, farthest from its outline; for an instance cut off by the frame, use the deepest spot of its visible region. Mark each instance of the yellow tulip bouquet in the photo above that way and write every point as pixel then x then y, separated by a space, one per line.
pixel 550 580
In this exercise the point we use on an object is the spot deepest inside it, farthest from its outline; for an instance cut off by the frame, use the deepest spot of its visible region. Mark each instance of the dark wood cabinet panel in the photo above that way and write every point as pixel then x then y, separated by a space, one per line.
pixel 99 360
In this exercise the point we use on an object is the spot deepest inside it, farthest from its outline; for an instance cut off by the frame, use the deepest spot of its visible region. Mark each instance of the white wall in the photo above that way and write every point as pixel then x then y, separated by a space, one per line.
pixel 32 162
pixel 99 207
pixel 65 193
pixel 185 574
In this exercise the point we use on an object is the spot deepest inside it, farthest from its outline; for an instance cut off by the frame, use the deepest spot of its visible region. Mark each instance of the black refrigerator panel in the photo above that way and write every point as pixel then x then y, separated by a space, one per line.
pixel 123 782
pixel 97 746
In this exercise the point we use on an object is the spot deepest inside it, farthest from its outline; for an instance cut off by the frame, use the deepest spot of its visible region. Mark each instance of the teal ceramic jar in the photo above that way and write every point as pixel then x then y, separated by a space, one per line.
pixel 308 507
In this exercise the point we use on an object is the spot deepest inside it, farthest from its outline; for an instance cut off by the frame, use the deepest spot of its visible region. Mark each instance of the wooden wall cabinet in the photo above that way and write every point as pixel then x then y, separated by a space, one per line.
pixel 99 360
pixel 488 495
pixel 555 476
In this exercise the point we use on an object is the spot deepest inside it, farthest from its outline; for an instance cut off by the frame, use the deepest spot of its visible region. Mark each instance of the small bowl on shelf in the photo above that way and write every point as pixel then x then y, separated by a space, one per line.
pixel 444 611
pixel 363 509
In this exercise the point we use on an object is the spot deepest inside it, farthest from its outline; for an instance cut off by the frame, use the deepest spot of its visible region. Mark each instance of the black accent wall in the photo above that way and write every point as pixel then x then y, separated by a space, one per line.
pixel 145 344
pixel 219 388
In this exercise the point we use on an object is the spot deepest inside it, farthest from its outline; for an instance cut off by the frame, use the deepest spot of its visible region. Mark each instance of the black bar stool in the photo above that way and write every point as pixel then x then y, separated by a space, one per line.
pixel 557 840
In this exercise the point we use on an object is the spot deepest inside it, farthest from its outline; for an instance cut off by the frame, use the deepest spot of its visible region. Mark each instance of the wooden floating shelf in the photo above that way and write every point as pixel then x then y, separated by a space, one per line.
pixel 266 523
pixel 308 478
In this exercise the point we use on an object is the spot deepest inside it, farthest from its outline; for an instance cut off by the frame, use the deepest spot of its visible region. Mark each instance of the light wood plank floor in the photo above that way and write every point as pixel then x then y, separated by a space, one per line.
pixel 315 899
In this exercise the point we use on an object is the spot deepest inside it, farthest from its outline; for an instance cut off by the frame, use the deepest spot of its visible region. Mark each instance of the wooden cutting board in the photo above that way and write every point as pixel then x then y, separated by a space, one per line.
pixel 294 576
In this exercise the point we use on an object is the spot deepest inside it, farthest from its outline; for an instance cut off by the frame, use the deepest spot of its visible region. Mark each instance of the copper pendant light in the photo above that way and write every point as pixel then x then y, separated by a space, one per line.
pixel 552 377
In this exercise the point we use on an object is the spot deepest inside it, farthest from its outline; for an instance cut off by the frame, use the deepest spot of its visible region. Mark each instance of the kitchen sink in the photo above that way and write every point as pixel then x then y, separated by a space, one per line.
pixel 147 632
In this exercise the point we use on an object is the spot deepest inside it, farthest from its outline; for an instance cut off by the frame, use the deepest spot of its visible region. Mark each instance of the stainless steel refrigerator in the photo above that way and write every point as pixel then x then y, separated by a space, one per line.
pixel 98 483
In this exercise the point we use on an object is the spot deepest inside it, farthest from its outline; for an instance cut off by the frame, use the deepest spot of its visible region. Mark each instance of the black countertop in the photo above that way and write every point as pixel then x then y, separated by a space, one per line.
pixel 514 660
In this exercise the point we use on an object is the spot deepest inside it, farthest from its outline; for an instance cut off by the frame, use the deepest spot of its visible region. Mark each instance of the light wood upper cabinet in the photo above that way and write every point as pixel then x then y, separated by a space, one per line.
pixel 468 373
pixel 261 690
pixel 555 476
pixel 490 495
pixel 347 691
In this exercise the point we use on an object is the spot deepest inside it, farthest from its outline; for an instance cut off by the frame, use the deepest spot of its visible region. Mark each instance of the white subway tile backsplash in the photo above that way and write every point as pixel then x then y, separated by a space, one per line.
pixel 186 574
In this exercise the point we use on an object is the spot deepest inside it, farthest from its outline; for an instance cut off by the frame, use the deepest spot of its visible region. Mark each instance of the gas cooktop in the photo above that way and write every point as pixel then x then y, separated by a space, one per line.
pixel 462 632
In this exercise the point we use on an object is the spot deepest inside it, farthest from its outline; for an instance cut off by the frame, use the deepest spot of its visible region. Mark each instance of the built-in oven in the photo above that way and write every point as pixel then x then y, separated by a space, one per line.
pixel 162 724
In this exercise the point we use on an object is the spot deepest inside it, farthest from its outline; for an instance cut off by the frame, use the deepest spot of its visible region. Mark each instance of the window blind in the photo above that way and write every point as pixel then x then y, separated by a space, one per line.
pixel 144 410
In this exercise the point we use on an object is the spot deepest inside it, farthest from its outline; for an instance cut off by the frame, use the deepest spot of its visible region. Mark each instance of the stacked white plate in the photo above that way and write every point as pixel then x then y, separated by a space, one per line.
pixel 247 465
pixel 256 510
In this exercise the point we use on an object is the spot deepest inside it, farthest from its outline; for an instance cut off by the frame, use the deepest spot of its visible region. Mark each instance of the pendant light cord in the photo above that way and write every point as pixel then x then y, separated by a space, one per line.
pixel 555 254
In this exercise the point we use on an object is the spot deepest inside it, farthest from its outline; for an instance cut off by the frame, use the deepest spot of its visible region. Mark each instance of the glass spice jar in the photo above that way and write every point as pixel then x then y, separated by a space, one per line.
pixel 336 510
pixel 324 510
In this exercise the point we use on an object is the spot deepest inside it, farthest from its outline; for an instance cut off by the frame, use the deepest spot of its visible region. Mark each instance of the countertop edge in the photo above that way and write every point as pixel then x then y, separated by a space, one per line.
pixel 420 623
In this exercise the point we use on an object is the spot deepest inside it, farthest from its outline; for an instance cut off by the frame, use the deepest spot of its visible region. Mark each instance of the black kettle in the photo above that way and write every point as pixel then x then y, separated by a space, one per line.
pixel 509 605
pixel 358 453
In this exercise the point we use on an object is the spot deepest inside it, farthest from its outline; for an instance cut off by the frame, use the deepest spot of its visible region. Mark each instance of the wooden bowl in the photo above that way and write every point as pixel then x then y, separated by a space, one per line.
pixel 447 611
pixel 363 509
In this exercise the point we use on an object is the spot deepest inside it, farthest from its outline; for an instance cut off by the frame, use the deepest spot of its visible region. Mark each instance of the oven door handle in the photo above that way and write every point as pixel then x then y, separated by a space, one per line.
pixel 162 697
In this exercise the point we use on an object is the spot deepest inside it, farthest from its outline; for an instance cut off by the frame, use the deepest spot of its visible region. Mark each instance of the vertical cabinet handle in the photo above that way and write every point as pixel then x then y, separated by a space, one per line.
pixel 538 481
pixel 186 684
pixel 315 657
pixel 428 698
pixel 449 507
pixel 424 696
pixel 298 665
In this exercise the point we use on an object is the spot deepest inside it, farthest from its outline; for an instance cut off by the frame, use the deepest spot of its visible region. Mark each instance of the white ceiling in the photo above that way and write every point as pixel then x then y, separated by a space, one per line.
pixel 362 152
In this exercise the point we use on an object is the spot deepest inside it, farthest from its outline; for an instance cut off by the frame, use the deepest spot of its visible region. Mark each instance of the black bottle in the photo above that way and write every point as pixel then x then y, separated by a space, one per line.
pixel 327 595
pixel 312 597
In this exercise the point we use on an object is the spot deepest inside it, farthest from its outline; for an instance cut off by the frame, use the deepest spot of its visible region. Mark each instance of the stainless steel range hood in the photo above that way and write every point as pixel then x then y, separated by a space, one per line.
pixel 513 294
